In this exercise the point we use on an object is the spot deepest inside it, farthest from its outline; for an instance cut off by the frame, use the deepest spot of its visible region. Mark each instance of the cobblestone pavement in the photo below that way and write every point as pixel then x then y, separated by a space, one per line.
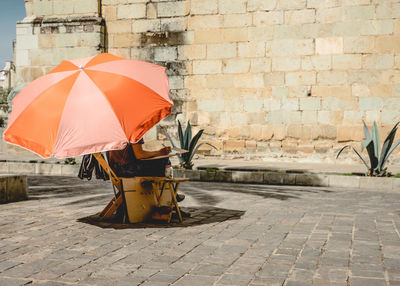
pixel 237 235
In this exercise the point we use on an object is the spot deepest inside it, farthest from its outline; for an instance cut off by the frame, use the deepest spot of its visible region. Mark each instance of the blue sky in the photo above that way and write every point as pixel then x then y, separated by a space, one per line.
pixel 11 11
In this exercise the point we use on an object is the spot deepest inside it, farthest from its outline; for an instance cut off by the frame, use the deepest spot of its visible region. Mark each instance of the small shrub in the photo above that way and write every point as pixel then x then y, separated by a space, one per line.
pixel 377 160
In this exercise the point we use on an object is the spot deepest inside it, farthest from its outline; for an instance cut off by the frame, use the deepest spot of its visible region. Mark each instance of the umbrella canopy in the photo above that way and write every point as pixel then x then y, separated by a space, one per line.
pixel 89 105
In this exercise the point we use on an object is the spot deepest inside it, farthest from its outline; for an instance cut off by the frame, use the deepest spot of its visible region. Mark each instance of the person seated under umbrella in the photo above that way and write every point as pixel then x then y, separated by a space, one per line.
pixel 128 162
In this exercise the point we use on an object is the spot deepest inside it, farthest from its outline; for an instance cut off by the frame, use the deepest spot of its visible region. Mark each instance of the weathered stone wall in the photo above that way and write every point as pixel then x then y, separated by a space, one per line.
pixel 54 31
pixel 291 77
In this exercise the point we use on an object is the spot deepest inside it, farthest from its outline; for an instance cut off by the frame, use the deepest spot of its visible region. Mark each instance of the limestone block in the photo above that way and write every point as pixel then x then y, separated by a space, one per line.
pixel 151 10
pixel 310 103
pixel 174 24
pixel 391 103
pixel 387 44
pixel 221 51
pixel 236 66
pixel 25 42
pixel 331 77
pixel 235 35
pixel 274 78
pixel 249 81
pixel 272 104
pixel 323 131
pixel 205 22
pixel 86 7
pixel 364 76
pixel 43 8
pixel 203 7
pixel 234 145
pixel 357 2
pixel 266 132
pixel 88 39
pixel 292 4
pixel 299 131
pixel 290 104
pixel 109 13
pixel 253 105
pixel 207 66
pixel 286 63
pixel 338 103
pixel 364 44
pixel 323 147
pixel 289 145
pixel 192 52
pixel 382 90
pixel 291 47
pixel 268 18
pixel 165 54
pixel 260 33
pixel 251 49
pixel 309 117
pixel 208 36
pixel 257 5
pixel 142 53
pixel 247 177
pixel 251 145
pixel 300 78
pixel 125 40
pixel 358 90
pixel 41 57
pixel 23 30
pixel 232 6
pixel 299 91
pixel 370 103
pixel 372 115
pixel 346 62
pixel 377 27
pixel 304 16
pixel 237 20
pixel 260 65
pixel 291 117
pixel 275 117
pixel 211 105
pixel 350 133
pixel 346 29
pixel 138 26
pixel 352 117
pixel 329 15
pixel 285 31
pixel 63 7
pixel 390 117
pixel 316 63
pixel 224 82
pixel 132 11
pixel 312 179
pixel 22 59
pixel 364 12
pixel 378 61
pixel 173 9
pixel 325 46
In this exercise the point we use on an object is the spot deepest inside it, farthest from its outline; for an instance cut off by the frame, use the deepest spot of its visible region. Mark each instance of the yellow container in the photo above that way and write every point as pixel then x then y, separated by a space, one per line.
pixel 140 201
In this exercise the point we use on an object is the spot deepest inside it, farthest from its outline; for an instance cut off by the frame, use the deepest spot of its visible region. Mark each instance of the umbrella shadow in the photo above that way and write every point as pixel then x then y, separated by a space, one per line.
pixel 198 216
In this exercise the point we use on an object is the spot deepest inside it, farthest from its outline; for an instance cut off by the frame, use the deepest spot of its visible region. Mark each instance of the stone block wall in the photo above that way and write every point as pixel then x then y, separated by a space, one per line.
pixel 54 31
pixel 283 77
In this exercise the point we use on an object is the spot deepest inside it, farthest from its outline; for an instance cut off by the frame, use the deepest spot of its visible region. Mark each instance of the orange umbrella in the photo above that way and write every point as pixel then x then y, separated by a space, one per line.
pixel 89 105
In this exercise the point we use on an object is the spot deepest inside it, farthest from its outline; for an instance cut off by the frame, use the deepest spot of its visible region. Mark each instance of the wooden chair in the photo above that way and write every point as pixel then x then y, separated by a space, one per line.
pixel 160 185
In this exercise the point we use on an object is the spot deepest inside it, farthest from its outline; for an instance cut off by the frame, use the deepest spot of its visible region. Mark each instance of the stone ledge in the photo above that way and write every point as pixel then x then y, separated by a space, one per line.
pixel 13 188
pixel 226 175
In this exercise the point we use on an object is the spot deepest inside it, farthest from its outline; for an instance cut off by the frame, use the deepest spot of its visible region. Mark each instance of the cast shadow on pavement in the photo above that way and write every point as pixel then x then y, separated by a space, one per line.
pixel 198 216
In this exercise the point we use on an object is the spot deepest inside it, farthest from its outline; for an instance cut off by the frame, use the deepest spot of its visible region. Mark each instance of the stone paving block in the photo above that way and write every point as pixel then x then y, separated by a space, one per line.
pixel 344 181
pixel 247 177
pixel 358 281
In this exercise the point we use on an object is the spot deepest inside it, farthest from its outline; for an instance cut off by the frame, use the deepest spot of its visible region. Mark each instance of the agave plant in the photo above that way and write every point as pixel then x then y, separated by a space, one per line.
pixel 187 142
pixel 372 144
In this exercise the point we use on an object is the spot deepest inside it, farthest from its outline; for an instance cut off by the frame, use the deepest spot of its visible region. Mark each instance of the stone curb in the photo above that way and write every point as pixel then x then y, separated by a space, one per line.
pixel 228 176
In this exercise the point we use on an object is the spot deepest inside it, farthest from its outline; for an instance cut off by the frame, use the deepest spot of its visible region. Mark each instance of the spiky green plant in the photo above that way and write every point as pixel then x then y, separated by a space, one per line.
pixel 371 143
pixel 187 142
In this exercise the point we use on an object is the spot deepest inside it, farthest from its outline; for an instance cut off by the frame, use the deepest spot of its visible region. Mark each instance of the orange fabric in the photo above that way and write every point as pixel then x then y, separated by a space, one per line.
pixel 137 107
pixel 37 126
pixel 64 66
pixel 102 58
